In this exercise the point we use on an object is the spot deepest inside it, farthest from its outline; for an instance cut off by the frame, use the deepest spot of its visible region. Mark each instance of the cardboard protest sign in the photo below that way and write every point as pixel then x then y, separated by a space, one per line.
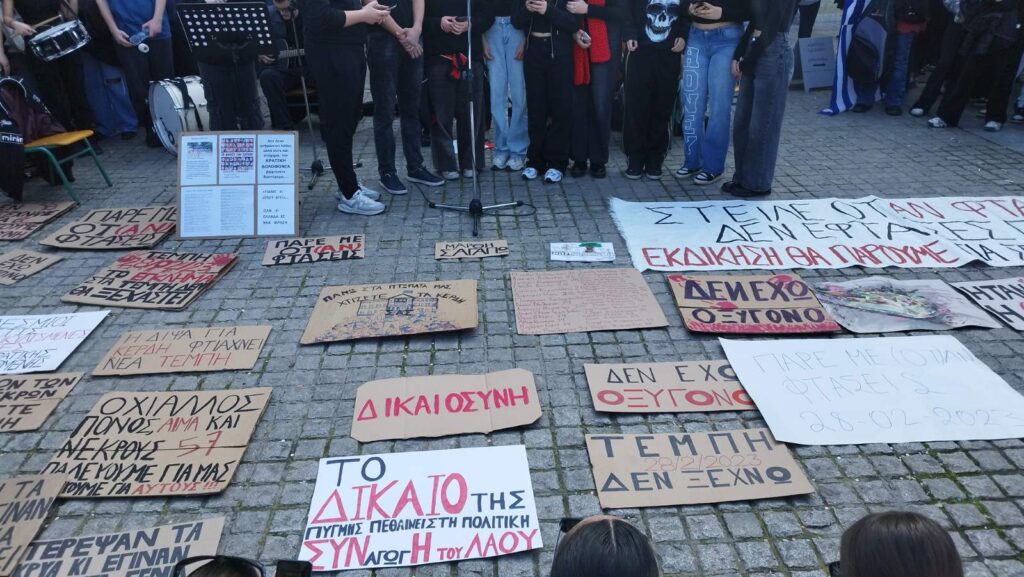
pixel 24 503
pixel 879 305
pixel 470 249
pixel 26 401
pixel 690 387
pixel 149 552
pixel 153 280
pixel 19 220
pixel 18 265
pixel 187 350
pixel 573 301
pixel 823 233
pixel 313 249
pixel 344 313
pixel 116 228
pixel 238 184
pixel 875 390
pixel 658 470
pixel 159 444
pixel 1004 298
pixel 582 251
pixel 40 343
pixel 439 405
pixel 405 509
pixel 751 304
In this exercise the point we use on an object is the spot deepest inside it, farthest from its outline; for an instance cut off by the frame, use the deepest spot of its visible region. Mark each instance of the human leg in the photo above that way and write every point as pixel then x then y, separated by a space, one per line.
pixel 694 94
pixel 382 61
pixel 771 82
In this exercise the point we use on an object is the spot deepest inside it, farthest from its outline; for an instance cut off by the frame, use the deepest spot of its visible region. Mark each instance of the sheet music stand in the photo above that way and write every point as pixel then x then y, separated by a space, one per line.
pixel 226 33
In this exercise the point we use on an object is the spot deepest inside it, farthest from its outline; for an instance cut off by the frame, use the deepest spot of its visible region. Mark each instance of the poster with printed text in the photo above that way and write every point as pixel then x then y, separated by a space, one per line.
pixel 27 400
pixel 237 185
pixel 406 509
pixel 684 387
pixel 18 220
pixel 40 343
pixel 1004 298
pixel 583 251
pixel 135 444
pixel 875 390
pixel 116 228
pixel 659 470
pixel 18 265
pixel 185 350
pixel 314 249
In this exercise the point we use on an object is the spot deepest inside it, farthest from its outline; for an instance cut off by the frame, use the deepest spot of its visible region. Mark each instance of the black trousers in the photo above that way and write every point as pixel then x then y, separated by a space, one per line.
pixel 142 68
pixel 231 97
pixel 339 71
pixel 652 81
pixel 451 127
pixel 547 70
pixel 61 85
pixel 592 107
pixel 396 78
pixel 945 73
pixel 999 59
pixel 808 15
pixel 276 84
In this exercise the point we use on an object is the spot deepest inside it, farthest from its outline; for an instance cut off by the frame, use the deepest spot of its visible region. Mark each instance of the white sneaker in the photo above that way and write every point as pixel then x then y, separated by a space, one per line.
pixel 553 175
pixel 993 126
pixel 500 161
pixel 468 173
pixel 450 175
pixel 530 173
pixel 360 203
pixel 917 112
pixel 367 192
pixel 516 163
pixel 937 123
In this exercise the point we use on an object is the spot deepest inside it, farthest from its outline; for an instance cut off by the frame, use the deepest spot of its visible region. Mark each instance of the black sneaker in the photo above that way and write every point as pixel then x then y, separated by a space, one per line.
pixel 653 173
pixel 729 186
pixel 423 176
pixel 859 108
pixel 893 110
pixel 1018 116
pixel 598 171
pixel 392 184
pixel 578 170
pixel 152 140
pixel 738 190
pixel 633 173
pixel 683 172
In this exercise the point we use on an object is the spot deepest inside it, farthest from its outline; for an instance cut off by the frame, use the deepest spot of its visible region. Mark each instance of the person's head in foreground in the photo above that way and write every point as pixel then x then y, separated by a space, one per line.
pixel 218 566
pixel 603 546
pixel 897 544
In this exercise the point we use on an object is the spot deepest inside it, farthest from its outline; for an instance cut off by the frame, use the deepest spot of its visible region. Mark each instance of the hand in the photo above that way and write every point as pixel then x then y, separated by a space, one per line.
pixel 706 11
pixel 736 72
pixel 22 29
pixel 538 6
pixel 578 37
pixel 460 27
pixel 121 37
pixel 5 64
pixel 413 50
pixel 678 45
pixel 577 7
pixel 153 26
pixel 450 25
pixel 520 50
pixel 374 12
pixel 266 60
pixel 631 45
pixel 412 35
pixel 487 49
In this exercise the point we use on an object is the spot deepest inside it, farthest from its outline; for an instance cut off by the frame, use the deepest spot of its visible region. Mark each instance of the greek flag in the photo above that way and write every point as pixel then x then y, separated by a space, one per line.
pixel 843 92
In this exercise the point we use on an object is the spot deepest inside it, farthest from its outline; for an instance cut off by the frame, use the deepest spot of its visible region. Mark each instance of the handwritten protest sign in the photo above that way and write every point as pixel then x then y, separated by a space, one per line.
pixel 24 503
pixel 137 553
pixel 470 249
pixel 153 280
pixel 822 233
pixel 690 387
pixel 313 249
pixel 776 304
pixel 875 390
pixel 116 228
pixel 692 468
pixel 583 251
pixel 187 350
pixel 1004 298
pixel 440 405
pixel 879 305
pixel 40 343
pixel 26 401
pixel 345 313
pixel 19 220
pixel 404 509
pixel 574 301
pixel 18 265
pixel 159 444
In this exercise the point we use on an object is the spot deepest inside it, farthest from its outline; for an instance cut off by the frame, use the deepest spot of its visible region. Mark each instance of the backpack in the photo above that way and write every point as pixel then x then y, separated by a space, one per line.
pixel 912 11
pixel 866 55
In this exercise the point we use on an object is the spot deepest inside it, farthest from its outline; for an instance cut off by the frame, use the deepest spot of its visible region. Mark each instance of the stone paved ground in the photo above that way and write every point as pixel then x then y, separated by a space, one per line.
pixel 975 489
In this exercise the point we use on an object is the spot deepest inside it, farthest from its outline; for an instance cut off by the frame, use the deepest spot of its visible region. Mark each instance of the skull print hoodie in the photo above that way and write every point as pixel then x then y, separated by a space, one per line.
pixel 655 23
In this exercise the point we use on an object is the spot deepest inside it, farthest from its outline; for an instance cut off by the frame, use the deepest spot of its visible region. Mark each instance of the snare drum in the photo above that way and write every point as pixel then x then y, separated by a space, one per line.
pixel 174 112
pixel 61 40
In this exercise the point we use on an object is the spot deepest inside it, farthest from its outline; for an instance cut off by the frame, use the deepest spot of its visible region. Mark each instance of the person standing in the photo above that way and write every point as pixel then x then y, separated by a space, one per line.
pixel 706 88
pixel 125 18
pixel 229 84
pixel 911 18
pixel 654 39
pixel 395 57
pixel 335 33
pixel 504 46
pixel 596 59
pixel 279 74
pixel 808 11
pixel 943 77
pixel 763 64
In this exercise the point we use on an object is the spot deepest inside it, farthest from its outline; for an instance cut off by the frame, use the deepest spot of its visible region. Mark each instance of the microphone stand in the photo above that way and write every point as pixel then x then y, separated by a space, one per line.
pixel 476 209
pixel 317 167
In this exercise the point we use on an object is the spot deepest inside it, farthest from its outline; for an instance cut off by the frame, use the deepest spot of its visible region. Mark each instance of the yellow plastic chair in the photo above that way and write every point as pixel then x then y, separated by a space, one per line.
pixel 46 145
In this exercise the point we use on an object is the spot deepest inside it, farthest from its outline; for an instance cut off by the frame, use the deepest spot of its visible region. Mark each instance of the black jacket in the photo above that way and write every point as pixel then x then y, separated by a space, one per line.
pixel 437 42
pixel 324 22
pixel 659 28
pixel 562 23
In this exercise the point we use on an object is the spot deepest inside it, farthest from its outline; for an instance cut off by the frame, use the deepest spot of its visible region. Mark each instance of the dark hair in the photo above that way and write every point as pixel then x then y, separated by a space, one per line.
pixel 603 546
pixel 226 567
pixel 898 544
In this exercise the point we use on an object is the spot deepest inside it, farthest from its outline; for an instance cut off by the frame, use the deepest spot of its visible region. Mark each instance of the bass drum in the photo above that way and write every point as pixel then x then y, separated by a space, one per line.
pixel 178 105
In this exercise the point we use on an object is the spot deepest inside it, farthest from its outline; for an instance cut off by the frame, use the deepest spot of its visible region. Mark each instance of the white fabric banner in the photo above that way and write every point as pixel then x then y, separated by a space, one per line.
pixel 825 233
pixel 875 390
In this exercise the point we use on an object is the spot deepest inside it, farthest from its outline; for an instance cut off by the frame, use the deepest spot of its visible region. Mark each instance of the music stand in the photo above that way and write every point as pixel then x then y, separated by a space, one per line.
pixel 475 208
pixel 235 30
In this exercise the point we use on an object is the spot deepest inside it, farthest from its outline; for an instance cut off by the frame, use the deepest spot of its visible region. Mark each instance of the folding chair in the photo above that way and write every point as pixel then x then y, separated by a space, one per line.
pixel 46 145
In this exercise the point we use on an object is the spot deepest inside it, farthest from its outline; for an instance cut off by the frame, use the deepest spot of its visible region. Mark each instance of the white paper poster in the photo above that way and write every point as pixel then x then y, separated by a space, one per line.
pixel 198 159
pixel 583 251
pixel 875 390
pixel 405 509
pixel 276 159
pixel 40 343
pixel 277 209
pixel 826 233
pixel 237 158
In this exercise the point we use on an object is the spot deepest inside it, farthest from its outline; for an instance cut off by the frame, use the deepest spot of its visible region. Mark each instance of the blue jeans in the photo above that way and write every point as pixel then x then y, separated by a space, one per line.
pixel 108 97
pixel 896 85
pixel 707 83
pixel 507 82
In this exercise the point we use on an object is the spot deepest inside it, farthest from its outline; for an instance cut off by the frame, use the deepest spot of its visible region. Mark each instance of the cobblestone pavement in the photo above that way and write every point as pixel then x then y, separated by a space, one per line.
pixel 976 489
